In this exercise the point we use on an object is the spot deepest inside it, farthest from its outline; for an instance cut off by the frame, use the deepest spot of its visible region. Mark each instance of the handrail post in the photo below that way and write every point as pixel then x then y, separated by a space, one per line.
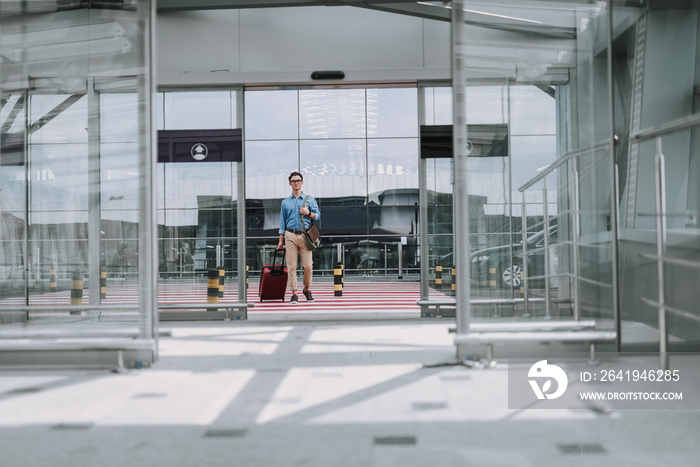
pixel 399 249
pixel 574 241
pixel 660 173
pixel 615 221
pixel 526 310
pixel 545 213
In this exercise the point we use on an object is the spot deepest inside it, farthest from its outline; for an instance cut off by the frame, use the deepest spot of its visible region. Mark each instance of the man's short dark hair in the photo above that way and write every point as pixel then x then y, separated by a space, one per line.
pixel 295 173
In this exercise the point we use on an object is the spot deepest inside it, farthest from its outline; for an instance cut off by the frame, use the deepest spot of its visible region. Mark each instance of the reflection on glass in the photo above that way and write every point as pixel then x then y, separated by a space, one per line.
pixel 13 183
pixel 58 118
pixel 216 223
pixel 394 220
pixel 59 177
pixel 487 179
pixel 116 122
pixel 14 106
pixel 160 112
pixel 268 165
pixel 178 218
pixel 12 249
pixel 119 177
pixel 441 248
pixel 160 187
pixel 271 115
pixel 190 185
pixel 197 110
pixel 439 177
pixel 334 113
pixel 487 104
pixel 334 168
pixel 532 111
pixel 531 154
pixel 392 112
pixel 442 107
pixel 344 220
pixel 392 165
pixel 439 191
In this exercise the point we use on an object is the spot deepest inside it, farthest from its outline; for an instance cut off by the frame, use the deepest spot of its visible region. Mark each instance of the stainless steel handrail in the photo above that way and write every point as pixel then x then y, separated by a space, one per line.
pixel 565 158
pixel 668 214
pixel 588 281
pixel 675 261
pixel 670 309
pixel 677 125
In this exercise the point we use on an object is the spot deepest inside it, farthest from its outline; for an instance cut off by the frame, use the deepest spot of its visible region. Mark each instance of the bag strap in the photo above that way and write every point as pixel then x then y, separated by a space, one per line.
pixel 303 226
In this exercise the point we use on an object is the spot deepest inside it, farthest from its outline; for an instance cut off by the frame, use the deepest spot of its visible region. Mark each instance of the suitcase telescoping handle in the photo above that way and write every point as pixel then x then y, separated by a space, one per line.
pixel 282 251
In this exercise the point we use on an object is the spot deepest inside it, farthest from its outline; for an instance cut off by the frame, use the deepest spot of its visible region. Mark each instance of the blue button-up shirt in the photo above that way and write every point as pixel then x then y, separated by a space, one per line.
pixel 289 213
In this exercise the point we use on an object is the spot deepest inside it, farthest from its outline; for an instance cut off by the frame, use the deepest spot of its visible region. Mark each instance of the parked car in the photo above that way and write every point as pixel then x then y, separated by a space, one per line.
pixel 507 271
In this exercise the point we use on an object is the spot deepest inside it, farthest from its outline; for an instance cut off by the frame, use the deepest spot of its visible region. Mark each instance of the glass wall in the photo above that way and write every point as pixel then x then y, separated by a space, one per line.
pixel 197 200
pixel 602 174
pixel 499 163
pixel 656 127
pixel 358 152
pixel 538 209
pixel 75 168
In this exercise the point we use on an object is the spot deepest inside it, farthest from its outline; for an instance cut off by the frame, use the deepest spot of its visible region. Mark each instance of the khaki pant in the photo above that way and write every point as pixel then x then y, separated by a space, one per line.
pixel 296 246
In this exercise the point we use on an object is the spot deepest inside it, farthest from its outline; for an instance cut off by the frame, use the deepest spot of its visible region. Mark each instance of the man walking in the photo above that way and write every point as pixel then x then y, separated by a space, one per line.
pixel 292 214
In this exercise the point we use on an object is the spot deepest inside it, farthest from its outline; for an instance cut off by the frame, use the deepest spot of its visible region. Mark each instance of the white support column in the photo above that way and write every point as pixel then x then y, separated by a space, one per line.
pixel 460 192
pixel 423 212
pixel 240 213
pixel 148 226
pixel 94 199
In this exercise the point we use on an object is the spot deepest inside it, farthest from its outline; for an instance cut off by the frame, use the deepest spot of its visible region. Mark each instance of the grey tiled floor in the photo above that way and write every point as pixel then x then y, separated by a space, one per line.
pixel 317 394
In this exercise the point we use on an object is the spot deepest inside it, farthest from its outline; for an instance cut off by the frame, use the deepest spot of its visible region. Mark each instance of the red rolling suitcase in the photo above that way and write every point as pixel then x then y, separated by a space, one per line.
pixel 273 279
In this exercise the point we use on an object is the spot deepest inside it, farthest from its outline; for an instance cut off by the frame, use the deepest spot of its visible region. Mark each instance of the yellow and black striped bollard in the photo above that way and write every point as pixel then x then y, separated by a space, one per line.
pixel 76 291
pixel 213 286
pixel 247 274
pixel 222 276
pixel 342 274
pixel 52 280
pixel 338 280
pixel 438 277
pixel 522 282
pixel 493 282
pixel 103 285
pixel 453 287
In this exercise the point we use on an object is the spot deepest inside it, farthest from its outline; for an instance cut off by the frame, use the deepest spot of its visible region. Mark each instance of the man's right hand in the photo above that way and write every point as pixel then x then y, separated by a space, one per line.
pixel 280 246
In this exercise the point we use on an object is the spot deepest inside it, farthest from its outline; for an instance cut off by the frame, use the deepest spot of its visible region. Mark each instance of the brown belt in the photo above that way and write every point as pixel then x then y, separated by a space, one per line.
pixel 298 232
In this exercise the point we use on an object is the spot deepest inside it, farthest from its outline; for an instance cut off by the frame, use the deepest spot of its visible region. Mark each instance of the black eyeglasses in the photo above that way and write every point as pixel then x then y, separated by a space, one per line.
pixel 295 181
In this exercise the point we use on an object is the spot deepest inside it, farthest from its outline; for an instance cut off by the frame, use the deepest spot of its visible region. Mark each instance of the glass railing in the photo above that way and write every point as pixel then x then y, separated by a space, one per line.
pixel 566 252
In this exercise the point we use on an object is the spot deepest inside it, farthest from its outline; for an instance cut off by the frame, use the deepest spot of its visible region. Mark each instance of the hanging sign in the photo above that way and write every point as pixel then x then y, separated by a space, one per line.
pixel 483 140
pixel 200 146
